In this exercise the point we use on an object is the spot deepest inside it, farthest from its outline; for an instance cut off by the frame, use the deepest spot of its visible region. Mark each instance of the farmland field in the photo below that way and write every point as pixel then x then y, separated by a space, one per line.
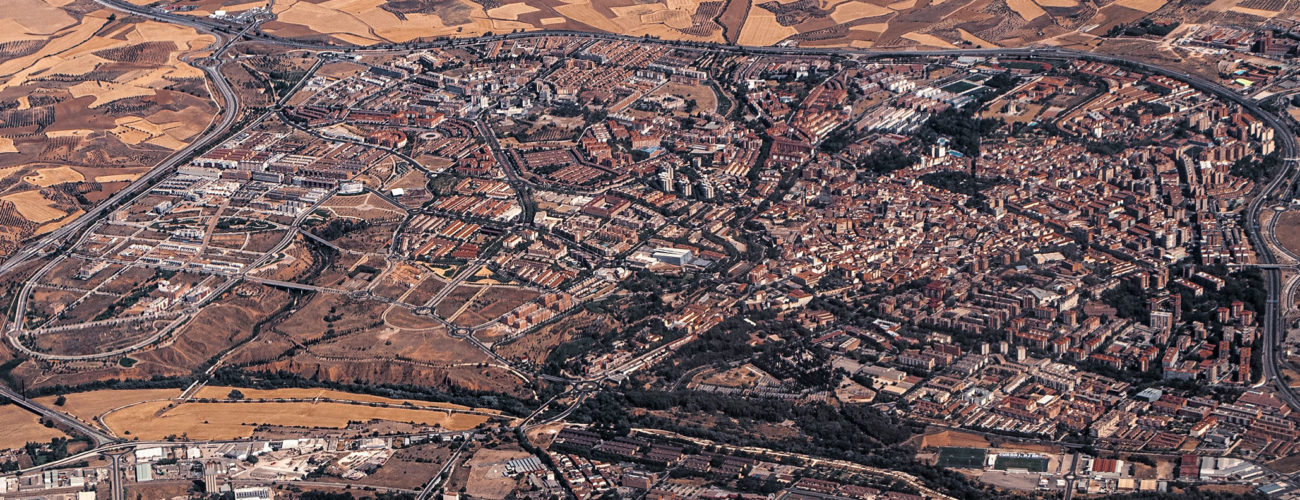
pixel 84 89
pixel 34 206
pixel 46 177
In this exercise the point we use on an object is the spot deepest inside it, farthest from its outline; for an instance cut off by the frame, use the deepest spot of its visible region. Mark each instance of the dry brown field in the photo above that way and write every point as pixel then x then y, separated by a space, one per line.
pixel 398 281
pixel 1142 5
pixel 1288 230
pixel 491 302
pixel 860 23
pixel 50 176
pixel 538 344
pixel 34 206
pixel 375 238
pixel 741 376
pixel 50 301
pixel 1029 447
pixel 128 280
pixel 409 180
pixel 426 290
pixel 86 310
pixel 222 392
pixel 264 240
pixel 151 421
pixel 64 274
pixel 409 467
pixel 703 95
pixel 455 300
pixel 1288 465
pixel 204 8
pixel 156 490
pixel 944 439
pixel 88 405
pixel 1026 9
pixel 431 345
pixel 21 427
pixel 85 340
pixel 364 206
pixel 487 477
pixel 403 318
pixel 310 321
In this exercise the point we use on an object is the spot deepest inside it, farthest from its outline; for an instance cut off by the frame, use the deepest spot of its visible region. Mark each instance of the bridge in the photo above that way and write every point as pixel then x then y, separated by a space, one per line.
pixel 320 240
pixel 295 286
pixel 99 437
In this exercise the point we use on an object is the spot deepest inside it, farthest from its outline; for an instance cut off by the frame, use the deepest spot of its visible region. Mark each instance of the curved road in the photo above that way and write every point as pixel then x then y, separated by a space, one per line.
pixel 50 243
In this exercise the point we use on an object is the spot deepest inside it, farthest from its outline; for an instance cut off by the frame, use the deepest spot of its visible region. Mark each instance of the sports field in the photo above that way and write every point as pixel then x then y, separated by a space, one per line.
pixel 961 458
pixel 1030 463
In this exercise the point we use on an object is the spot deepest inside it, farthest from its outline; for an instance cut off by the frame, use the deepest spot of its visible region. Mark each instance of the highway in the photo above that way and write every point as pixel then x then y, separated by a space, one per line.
pixel 522 187
pixel 116 483
pixel 53 239
pixel 50 243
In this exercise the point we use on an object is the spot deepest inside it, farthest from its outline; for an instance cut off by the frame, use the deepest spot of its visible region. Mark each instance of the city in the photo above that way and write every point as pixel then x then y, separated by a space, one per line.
pixel 554 264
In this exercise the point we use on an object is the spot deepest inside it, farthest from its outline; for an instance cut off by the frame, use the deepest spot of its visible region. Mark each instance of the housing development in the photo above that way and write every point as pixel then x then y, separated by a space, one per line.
pixel 581 265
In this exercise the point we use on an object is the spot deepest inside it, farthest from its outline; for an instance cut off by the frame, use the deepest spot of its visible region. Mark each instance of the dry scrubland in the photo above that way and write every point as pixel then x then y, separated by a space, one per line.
pixel 82 89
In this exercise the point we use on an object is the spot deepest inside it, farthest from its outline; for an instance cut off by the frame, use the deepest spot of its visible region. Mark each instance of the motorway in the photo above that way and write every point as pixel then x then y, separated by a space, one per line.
pixel 51 242
pixel 230 109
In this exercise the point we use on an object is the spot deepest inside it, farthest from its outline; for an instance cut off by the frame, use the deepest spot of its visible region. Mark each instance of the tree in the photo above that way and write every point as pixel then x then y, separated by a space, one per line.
pixel 235 394
pixel 60 401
